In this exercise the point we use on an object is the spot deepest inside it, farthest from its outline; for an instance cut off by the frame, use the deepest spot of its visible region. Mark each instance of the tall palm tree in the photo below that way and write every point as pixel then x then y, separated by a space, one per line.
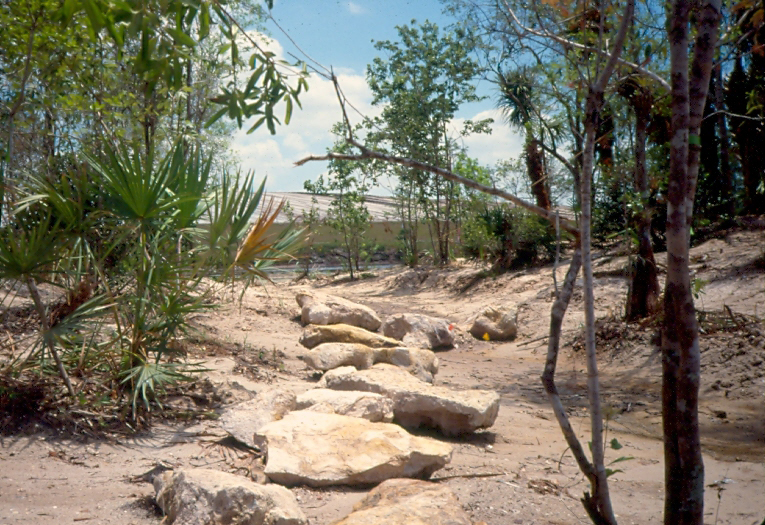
pixel 517 102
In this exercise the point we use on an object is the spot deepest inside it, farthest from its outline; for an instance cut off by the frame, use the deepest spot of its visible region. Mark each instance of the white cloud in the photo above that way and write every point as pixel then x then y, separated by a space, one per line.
pixel 502 144
pixel 309 132
pixel 356 9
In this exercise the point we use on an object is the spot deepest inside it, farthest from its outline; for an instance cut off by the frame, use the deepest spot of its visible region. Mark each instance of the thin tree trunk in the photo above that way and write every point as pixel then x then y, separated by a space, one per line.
pixel 600 502
pixel 683 462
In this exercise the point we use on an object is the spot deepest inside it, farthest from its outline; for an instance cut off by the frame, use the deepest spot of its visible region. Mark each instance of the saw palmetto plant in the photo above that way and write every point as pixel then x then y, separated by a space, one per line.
pixel 133 241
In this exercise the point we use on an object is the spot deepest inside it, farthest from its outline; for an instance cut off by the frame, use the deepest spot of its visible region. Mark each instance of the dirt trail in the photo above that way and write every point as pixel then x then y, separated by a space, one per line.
pixel 517 472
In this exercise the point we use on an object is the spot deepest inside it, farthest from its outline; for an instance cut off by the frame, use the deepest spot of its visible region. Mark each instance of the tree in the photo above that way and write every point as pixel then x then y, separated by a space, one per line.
pixel 681 358
pixel 421 84
pixel 347 182
pixel 516 99
pixel 643 299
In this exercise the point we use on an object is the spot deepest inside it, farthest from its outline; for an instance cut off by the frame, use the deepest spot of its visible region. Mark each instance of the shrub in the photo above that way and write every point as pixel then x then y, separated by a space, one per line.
pixel 508 237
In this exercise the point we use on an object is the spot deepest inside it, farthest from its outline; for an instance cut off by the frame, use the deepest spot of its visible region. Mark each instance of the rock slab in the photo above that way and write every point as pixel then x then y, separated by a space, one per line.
pixel 324 310
pixel 321 450
pixel 415 403
pixel 419 362
pixel 408 502
pixel 366 405
pixel 211 497
pixel 419 330
pixel 495 324
pixel 244 419
pixel 315 335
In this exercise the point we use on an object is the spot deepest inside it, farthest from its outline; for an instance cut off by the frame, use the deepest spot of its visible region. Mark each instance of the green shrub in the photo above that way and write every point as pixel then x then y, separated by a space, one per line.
pixel 508 237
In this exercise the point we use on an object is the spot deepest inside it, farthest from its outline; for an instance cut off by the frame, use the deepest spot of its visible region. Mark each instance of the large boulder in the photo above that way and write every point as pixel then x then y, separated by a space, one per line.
pixel 329 309
pixel 211 497
pixel 419 362
pixel 366 405
pixel 419 330
pixel 415 403
pixel 495 324
pixel 244 419
pixel 315 335
pixel 327 356
pixel 321 450
pixel 408 502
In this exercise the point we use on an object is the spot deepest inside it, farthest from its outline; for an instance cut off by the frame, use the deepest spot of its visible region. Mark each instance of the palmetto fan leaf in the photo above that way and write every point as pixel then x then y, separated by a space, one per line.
pixel 515 96
pixel 257 247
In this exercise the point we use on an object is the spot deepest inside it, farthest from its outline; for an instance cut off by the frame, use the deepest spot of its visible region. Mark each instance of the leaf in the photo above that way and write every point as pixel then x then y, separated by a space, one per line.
pixel 623 458
pixel 615 444
pixel 256 125
pixel 611 472
pixel 288 111
pixel 181 38
pixel 215 117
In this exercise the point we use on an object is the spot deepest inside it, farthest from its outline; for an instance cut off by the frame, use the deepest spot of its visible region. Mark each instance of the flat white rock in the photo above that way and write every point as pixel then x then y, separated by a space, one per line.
pixel 366 405
pixel 416 403
pixel 320 450
pixel 244 419
pixel 328 309
pixel 408 502
pixel 211 497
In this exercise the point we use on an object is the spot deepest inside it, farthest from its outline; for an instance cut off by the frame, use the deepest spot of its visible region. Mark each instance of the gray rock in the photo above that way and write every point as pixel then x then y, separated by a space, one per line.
pixel 244 419
pixel 328 449
pixel 323 310
pixel 315 335
pixel 419 330
pixel 495 324
pixel 408 502
pixel 366 405
pixel 211 497
pixel 327 356
pixel 415 403
pixel 419 362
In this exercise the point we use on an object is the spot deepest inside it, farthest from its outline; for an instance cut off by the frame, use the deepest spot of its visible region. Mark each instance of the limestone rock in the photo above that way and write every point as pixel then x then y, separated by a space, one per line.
pixel 327 356
pixel 408 502
pixel 366 405
pixel 419 362
pixel 495 324
pixel 244 419
pixel 324 310
pixel 419 330
pixel 328 449
pixel 315 335
pixel 415 403
pixel 211 497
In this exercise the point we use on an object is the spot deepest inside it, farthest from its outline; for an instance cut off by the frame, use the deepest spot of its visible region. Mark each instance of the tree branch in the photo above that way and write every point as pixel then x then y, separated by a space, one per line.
pixel 367 154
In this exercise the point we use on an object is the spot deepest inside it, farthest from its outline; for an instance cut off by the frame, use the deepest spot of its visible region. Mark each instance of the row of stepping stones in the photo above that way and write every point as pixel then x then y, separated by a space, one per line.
pixel 341 432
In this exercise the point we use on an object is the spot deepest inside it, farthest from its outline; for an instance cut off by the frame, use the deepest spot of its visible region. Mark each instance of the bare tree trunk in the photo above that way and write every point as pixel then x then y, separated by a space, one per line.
pixel 643 298
pixel 683 462
pixel 600 503
pixel 535 168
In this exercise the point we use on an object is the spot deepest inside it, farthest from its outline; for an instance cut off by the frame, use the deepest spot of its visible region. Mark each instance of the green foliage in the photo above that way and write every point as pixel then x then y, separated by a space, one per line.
pixel 508 237
pixel 348 183
pixel 420 83
pixel 172 225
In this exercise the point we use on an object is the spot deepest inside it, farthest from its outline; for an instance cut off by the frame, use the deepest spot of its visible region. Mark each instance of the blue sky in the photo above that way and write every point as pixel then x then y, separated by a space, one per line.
pixel 341 34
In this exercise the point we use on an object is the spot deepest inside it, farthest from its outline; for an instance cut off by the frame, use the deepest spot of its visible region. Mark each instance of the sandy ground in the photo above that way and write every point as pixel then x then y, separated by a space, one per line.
pixel 517 472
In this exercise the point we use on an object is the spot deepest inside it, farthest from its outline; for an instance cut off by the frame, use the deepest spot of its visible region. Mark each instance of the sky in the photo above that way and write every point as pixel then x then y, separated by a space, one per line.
pixel 341 35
